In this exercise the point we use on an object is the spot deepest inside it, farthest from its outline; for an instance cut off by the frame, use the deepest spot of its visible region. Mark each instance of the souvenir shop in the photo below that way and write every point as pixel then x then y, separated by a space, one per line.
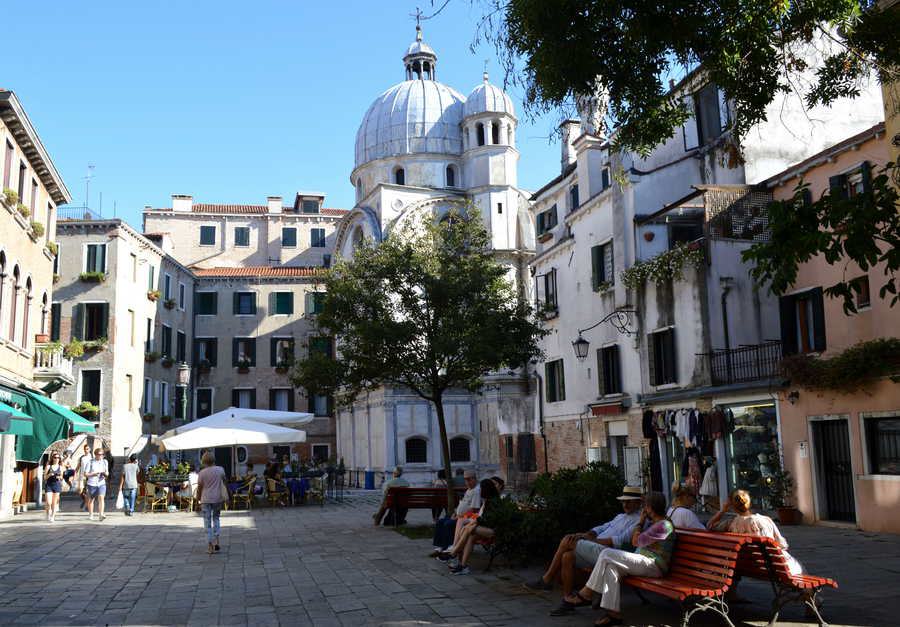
pixel 714 451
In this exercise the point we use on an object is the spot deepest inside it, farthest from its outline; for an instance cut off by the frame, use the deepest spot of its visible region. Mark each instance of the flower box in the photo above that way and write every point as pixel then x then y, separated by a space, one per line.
pixel 92 277
pixel 169 304
pixel 148 417
pixel 41 338
pixel 167 362
pixel 151 357
pixel 153 295
pixel 165 419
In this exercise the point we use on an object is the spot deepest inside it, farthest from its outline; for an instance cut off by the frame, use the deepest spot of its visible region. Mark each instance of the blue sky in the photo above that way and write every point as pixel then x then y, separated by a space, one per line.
pixel 228 101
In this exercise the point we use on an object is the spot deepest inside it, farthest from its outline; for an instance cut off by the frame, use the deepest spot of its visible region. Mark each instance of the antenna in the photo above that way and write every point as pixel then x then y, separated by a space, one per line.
pixel 87 185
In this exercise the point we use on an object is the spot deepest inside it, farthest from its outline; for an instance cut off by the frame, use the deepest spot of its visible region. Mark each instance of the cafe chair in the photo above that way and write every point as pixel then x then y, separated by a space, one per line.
pixel 277 492
pixel 243 495
pixel 155 497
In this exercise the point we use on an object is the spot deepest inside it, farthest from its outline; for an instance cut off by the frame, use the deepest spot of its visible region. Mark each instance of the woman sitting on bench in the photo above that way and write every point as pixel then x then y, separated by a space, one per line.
pixel 649 559
pixel 472 530
pixel 743 520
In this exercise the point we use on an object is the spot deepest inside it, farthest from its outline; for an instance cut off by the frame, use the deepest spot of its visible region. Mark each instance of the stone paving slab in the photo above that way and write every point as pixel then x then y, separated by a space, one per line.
pixel 330 567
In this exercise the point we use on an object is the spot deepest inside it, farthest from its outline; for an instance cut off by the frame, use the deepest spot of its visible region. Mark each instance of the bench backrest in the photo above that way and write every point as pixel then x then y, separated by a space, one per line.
pixel 758 557
pixel 704 559
pixel 419 497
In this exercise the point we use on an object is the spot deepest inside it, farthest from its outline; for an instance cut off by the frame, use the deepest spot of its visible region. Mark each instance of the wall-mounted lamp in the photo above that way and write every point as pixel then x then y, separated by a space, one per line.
pixel 793 397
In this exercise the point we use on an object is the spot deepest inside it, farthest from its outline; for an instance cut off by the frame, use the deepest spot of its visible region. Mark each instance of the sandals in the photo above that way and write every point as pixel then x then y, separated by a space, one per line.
pixel 209 548
pixel 608 621
pixel 567 607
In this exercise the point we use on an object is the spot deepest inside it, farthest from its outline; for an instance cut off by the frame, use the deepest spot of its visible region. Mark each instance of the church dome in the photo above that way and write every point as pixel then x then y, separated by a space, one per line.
pixel 419 115
pixel 487 98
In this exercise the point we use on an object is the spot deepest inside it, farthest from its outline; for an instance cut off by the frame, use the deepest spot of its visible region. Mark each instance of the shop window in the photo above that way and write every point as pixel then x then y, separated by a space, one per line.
pixel 525 457
pixel 602 269
pixel 661 360
pixel 752 450
pixel 460 449
pixel 803 322
pixel 554 374
pixel 417 451
pixel 609 375
pixel 883 441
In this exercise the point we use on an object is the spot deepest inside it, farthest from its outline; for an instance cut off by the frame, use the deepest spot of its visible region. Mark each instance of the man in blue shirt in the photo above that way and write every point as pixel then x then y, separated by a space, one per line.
pixel 582 550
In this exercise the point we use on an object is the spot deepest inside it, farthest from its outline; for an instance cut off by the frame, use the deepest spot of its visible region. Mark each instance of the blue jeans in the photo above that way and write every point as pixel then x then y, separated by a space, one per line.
pixel 443 532
pixel 129 494
pixel 211 513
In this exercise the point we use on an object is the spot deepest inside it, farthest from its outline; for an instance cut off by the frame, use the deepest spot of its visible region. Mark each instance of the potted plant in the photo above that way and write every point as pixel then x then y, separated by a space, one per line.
pixel 151 357
pixel 23 210
pixel 74 349
pixel 165 419
pixel 92 277
pixel 41 338
pixel 37 228
pixel 167 362
pixel 243 366
pixel 204 365
pixel 153 295
pixel 11 196
pixel 53 248
pixel 56 277
pixel 86 409
pixel 169 303
pixel 781 493
pixel 96 345
pixel 148 417
pixel 282 366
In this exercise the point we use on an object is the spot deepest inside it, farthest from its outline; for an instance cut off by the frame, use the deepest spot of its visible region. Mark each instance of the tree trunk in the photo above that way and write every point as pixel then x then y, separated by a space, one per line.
pixel 445 453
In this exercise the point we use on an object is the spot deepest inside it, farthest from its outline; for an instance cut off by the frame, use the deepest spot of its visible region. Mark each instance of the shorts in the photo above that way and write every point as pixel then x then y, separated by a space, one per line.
pixel 587 553
pixel 53 486
pixel 96 490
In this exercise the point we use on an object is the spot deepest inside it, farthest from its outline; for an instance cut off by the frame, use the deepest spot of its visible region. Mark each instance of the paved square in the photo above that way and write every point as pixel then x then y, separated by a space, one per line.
pixel 329 566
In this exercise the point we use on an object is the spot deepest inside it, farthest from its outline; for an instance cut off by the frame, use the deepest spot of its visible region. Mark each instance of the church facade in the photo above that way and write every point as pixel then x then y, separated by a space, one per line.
pixel 423 148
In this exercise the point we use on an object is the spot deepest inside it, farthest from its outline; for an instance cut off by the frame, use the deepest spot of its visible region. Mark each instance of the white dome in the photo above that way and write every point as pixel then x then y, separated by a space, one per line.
pixel 417 116
pixel 488 98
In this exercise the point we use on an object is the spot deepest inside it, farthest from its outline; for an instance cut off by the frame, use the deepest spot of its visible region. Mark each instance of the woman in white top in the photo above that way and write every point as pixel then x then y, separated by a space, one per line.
pixel 128 484
pixel 680 512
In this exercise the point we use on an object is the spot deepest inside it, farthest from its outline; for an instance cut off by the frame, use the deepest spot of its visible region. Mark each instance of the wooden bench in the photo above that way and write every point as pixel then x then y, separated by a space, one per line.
pixel 701 571
pixel 763 558
pixel 418 498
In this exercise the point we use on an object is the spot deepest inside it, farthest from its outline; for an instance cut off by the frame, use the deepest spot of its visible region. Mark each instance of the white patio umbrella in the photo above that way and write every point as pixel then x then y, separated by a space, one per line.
pixel 270 416
pixel 218 430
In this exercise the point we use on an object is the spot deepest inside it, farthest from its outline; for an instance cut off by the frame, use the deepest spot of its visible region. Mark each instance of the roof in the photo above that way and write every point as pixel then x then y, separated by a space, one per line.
pixel 569 169
pixel 811 162
pixel 247 209
pixel 26 137
pixel 260 271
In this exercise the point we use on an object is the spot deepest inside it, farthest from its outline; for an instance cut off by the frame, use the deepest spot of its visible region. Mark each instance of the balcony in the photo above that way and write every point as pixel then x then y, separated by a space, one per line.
pixel 745 364
pixel 52 366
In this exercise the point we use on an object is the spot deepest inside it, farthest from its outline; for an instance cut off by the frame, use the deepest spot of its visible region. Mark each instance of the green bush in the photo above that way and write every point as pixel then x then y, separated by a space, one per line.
pixel 37 228
pixel 567 501
pixel 11 196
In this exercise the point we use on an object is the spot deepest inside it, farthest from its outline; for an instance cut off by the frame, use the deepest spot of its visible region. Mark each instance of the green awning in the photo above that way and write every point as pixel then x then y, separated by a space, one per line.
pixel 19 423
pixel 51 423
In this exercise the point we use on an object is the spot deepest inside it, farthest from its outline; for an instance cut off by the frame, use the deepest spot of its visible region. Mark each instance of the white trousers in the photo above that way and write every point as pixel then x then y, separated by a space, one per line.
pixel 611 568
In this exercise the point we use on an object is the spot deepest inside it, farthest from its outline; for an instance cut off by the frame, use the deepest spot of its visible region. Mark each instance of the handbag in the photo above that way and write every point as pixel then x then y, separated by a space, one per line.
pixel 223 495
pixel 120 501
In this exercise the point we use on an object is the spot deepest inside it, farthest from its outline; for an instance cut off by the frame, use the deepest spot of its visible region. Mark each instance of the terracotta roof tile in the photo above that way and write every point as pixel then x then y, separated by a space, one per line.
pixel 247 209
pixel 259 271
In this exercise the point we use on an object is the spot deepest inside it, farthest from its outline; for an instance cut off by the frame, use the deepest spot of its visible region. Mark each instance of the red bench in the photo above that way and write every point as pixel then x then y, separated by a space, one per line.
pixel 764 559
pixel 418 498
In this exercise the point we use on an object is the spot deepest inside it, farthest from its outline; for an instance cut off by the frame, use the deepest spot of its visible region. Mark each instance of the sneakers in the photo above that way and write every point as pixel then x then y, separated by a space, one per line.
pixel 538 585
pixel 102 517
pixel 91 517
pixel 459 569
pixel 443 556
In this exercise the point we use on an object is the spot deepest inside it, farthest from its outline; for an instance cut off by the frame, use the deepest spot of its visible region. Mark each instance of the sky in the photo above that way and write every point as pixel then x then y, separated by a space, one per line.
pixel 229 101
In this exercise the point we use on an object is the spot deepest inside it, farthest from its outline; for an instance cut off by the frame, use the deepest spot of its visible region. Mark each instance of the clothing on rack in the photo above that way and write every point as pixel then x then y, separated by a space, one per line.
pixel 682 424
pixel 695 428
pixel 655 466
pixel 647 424
pixel 710 484
pixel 692 469
pixel 714 425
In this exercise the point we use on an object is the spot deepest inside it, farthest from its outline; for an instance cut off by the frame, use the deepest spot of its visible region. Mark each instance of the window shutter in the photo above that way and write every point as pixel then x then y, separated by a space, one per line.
pixel 308 303
pixel 671 362
pixel 601 383
pixel 252 350
pixel 787 306
pixel 253 303
pixel 102 258
pixel 550 383
pixel 273 351
pixel 651 358
pixel 78 321
pixel 562 380
pixel 596 271
pixel 615 372
pixel 689 128
pixel 55 311
pixel 818 307
pixel 236 303
pixel 866 171
pixel 290 400
pixel 212 351
pixel 838 185
pixel 605 178
pixel 723 111
pixel 235 398
pixel 310 402
pixel 252 399
pixel 234 351
pixel 609 275
pixel 806 197
pixel 272 399
pixel 195 358
pixel 289 296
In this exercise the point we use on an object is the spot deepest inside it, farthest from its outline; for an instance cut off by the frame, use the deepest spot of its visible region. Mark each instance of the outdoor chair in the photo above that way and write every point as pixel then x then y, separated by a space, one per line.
pixel 277 492
pixel 155 497
pixel 243 494
pixel 187 502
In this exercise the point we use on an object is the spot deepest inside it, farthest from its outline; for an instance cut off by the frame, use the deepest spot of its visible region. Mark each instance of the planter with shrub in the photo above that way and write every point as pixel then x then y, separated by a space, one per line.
pixel 11 196
pixel 37 228
pixel 86 409
pixel 167 362
pixel 151 357
pixel 165 419
pixel 23 210
pixel 92 277
pixel 169 303
pixel 153 295
pixel 148 417
pixel 74 349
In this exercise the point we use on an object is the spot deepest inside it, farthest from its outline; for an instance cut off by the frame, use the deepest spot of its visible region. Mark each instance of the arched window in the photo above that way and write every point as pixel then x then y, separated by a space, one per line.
pixel 495 132
pixel 26 312
pixel 358 237
pixel 460 449
pixel 427 70
pixel 13 300
pixel 451 176
pixel 479 132
pixel 399 176
pixel 417 451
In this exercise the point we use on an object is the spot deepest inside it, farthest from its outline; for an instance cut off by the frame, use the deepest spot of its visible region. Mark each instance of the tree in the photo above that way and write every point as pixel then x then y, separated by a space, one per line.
pixel 755 51
pixel 429 309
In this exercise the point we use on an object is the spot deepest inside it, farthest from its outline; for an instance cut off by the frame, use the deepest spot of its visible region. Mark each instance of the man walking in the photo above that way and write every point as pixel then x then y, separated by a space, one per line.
pixel 81 480
pixel 97 474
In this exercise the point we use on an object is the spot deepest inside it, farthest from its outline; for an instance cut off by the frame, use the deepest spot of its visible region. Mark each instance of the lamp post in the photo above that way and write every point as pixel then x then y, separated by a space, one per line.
pixel 184 379
pixel 618 319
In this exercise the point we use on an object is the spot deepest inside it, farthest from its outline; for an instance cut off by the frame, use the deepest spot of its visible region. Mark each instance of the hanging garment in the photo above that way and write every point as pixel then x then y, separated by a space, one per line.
pixel 715 424
pixel 729 421
pixel 647 424
pixel 682 424
pixel 710 484
pixel 692 469
pixel 660 424
pixel 655 467
pixel 695 432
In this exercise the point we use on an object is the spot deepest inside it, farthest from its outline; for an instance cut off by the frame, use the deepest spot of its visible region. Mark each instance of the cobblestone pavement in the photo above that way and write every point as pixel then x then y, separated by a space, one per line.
pixel 329 566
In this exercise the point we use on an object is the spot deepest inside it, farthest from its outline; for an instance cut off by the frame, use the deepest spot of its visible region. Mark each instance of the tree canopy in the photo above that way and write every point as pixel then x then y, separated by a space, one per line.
pixel 429 309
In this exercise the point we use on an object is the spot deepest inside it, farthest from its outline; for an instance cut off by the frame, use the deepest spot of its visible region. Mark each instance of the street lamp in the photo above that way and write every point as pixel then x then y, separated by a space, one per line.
pixel 581 346
pixel 618 319
pixel 183 380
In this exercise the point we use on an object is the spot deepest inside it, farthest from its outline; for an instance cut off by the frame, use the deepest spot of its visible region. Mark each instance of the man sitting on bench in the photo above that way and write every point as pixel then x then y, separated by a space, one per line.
pixel 582 550
pixel 396 482
pixel 446 529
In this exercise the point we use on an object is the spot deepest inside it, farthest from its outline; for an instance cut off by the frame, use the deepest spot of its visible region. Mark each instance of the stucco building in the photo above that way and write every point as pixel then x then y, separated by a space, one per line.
pixel 423 148
pixel 32 189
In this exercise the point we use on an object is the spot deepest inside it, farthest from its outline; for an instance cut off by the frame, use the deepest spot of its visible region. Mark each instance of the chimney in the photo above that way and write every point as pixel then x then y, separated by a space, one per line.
pixel 182 202
pixel 570 130
pixel 274 203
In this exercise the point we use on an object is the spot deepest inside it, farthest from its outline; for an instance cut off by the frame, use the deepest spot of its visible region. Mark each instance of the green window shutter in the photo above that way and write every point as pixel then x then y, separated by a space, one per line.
pixel 77 321
pixel 596 272
pixel 651 358
pixel 866 171
pixel 234 351
pixel 251 349
pixel 671 364
pixel 562 380
pixel 289 297
pixel 838 185
pixel 608 263
pixel 55 312
pixel 236 303
pixel 252 399
pixel 290 400
pixel 601 383
pixel 273 348
pixel 102 260
pixel 235 398
pixel 787 310
pixel 818 310
pixel 212 352
pixel 271 398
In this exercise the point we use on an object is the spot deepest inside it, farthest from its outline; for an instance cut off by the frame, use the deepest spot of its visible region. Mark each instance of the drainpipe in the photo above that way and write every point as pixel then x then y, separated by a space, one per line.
pixel 725 284
pixel 540 391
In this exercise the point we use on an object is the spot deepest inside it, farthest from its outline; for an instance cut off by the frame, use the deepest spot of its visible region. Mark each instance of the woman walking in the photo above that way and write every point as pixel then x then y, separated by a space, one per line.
pixel 128 484
pixel 53 484
pixel 212 492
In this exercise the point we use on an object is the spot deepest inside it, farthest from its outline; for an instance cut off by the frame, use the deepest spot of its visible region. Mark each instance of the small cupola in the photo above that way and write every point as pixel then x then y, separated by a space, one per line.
pixel 420 59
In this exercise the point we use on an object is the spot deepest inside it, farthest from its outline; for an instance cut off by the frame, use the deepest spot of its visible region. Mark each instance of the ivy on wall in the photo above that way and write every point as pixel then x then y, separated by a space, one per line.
pixel 669 266
pixel 847 371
